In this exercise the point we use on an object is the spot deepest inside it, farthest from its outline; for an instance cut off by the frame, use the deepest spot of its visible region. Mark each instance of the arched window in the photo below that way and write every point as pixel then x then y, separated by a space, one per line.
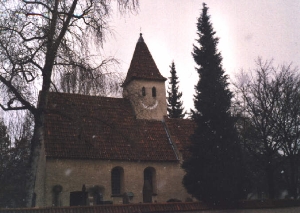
pixel 149 188
pixel 153 92
pixel 117 176
pixel 144 91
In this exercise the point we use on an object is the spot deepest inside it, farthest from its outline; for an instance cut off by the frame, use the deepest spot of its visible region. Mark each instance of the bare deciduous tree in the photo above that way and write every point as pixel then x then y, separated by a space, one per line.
pixel 81 80
pixel 267 100
pixel 39 38
pixel 288 125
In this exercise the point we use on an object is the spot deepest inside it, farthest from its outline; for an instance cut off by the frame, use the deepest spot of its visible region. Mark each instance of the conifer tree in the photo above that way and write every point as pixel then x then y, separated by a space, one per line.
pixel 213 171
pixel 175 108
pixel 13 167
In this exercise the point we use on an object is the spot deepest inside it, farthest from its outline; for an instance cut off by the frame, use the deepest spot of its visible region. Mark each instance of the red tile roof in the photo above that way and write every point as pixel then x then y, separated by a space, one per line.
pixel 180 131
pixel 91 127
pixel 142 65
pixel 126 208
pixel 255 205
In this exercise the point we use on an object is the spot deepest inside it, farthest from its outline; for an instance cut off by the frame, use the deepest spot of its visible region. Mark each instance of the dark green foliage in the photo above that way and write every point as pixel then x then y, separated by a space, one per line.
pixel 175 109
pixel 4 148
pixel 13 169
pixel 214 172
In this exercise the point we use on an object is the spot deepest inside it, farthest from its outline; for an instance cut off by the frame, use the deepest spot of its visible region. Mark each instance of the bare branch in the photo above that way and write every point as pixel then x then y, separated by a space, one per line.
pixel 12 89
pixel 37 3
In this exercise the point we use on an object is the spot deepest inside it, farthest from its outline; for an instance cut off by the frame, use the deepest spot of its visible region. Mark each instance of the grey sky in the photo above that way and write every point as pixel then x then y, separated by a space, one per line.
pixel 246 28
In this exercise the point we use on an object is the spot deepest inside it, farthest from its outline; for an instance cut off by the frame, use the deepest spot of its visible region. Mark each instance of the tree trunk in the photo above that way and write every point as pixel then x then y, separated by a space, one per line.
pixel 36 145
pixel 270 179
pixel 293 183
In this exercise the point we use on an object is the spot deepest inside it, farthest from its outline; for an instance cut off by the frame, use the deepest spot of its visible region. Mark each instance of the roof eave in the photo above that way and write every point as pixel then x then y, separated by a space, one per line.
pixel 142 78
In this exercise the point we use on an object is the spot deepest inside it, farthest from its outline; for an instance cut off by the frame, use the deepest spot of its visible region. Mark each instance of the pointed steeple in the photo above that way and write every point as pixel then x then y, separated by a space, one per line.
pixel 142 65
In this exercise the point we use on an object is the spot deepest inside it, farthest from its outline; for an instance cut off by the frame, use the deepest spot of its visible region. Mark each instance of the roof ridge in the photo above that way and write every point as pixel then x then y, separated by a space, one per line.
pixel 77 94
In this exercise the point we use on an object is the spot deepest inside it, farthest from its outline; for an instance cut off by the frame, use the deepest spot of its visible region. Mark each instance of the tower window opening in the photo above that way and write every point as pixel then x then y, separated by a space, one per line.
pixel 144 91
pixel 153 92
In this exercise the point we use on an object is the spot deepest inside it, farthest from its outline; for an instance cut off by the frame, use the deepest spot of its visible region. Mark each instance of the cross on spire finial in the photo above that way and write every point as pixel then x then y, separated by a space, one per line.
pixel 141 38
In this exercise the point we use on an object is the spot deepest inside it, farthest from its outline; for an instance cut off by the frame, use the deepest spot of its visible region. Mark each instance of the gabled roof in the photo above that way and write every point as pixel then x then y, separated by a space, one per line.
pixel 142 65
pixel 91 127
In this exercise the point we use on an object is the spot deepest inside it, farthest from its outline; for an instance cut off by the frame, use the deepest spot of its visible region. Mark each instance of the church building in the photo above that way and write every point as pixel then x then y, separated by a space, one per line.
pixel 100 150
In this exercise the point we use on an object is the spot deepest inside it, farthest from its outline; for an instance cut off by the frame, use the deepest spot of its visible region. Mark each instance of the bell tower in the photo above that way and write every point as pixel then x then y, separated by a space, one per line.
pixel 144 86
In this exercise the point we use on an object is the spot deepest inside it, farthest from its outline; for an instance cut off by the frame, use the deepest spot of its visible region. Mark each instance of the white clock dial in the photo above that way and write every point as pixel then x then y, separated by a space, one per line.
pixel 151 106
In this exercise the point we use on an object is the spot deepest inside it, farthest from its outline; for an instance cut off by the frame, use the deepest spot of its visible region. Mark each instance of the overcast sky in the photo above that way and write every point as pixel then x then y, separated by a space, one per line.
pixel 246 28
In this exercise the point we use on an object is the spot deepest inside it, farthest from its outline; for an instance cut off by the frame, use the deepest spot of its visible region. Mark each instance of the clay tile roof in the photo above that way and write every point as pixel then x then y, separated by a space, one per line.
pixel 123 208
pixel 184 207
pixel 142 65
pixel 91 127
pixel 180 132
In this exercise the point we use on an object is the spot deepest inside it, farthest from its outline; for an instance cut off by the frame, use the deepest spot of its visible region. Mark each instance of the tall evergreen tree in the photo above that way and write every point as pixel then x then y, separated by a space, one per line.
pixel 13 167
pixel 175 108
pixel 213 171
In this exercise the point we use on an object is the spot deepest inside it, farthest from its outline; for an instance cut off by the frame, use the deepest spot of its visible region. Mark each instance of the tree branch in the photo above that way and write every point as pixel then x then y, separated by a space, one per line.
pixel 18 96
pixel 38 3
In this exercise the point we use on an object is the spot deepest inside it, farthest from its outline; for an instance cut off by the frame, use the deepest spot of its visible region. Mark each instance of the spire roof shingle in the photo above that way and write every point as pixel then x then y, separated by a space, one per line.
pixel 142 65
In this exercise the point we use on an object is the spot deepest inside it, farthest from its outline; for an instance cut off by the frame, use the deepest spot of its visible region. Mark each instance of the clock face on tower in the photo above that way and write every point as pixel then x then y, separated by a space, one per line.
pixel 150 106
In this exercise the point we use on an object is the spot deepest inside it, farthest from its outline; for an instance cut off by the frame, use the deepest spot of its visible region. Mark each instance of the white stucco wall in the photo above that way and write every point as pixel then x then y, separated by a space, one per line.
pixel 72 174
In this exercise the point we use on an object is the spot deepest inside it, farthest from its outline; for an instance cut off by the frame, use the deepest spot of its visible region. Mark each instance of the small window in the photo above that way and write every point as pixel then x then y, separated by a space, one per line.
pixel 144 91
pixel 117 174
pixel 153 92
